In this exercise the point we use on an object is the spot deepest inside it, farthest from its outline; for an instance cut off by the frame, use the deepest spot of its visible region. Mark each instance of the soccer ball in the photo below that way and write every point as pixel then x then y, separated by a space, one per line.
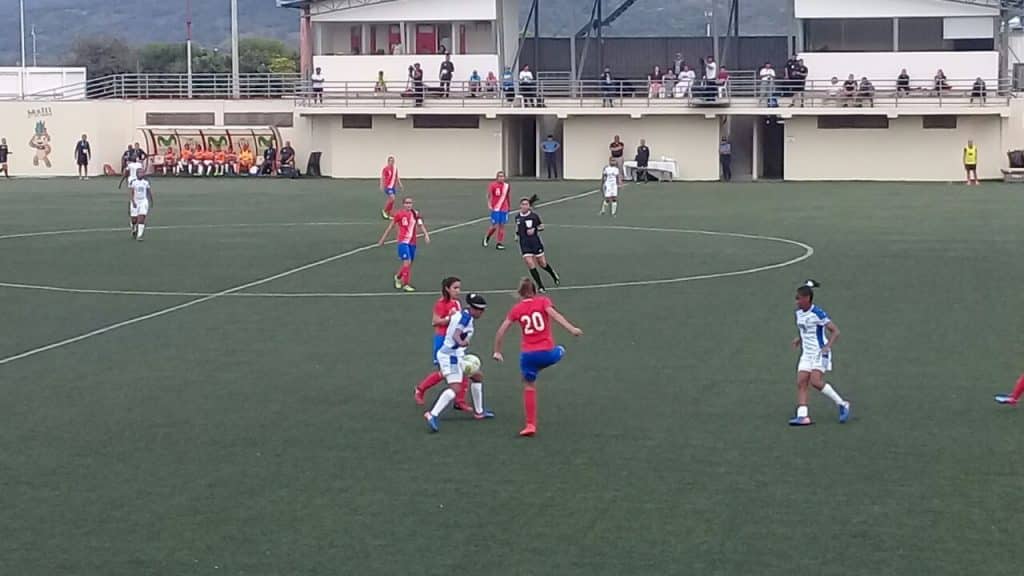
pixel 470 364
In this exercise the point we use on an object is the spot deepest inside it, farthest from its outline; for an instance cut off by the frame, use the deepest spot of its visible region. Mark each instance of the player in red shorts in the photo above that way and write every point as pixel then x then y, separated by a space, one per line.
pixel 407 221
pixel 390 184
pixel 446 307
pixel 499 201
pixel 533 313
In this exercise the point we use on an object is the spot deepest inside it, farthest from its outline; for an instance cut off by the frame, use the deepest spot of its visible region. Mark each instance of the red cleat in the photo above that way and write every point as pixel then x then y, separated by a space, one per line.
pixel 418 396
pixel 530 430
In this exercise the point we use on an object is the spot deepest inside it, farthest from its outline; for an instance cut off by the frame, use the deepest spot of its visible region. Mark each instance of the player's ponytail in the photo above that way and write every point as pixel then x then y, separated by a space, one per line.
pixel 527 288
pixel 446 285
pixel 533 200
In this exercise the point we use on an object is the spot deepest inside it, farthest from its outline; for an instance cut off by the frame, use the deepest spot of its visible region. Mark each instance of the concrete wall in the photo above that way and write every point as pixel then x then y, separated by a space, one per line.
pixel 410 11
pixel 363 69
pixel 110 125
pixel 886 9
pixel 42 80
pixel 904 151
pixel 421 153
pixel 882 68
pixel 692 141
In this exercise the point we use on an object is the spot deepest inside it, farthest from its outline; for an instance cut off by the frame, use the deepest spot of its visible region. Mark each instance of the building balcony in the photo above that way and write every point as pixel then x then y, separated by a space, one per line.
pixel 342 72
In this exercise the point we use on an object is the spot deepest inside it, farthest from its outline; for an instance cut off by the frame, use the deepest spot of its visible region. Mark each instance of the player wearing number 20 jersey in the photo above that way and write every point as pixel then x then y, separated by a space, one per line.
pixel 534 314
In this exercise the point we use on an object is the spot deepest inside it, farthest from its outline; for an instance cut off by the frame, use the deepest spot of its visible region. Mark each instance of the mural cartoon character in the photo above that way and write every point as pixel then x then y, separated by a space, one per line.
pixel 40 142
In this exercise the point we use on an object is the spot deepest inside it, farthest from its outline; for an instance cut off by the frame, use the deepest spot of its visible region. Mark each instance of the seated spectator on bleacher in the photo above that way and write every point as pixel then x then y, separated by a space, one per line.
pixel 269 161
pixel 941 84
pixel 722 81
pixel 380 87
pixel 287 167
pixel 849 90
pixel 684 82
pixel 474 84
pixel 979 91
pixel 654 83
pixel 866 93
pixel 508 84
pixel 170 165
pixel 491 84
pixel 903 83
pixel 835 91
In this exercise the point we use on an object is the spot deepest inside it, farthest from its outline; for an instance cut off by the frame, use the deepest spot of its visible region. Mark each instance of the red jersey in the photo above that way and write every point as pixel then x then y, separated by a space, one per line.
pixel 445 308
pixel 532 316
pixel 389 177
pixel 499 197
pixel 406 221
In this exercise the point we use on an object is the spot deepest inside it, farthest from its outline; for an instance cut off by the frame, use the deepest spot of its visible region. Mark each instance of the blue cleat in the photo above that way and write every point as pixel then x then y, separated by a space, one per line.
pixel 844 412
pixel 1005 399
pixel 432 422
pixel 798 421
pixel 485 415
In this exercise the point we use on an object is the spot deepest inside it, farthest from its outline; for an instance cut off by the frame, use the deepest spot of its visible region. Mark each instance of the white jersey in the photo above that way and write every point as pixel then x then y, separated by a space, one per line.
pixel 611 180
pixel 140 190
pixel 133 171
pixel 811 325
pixel 462 321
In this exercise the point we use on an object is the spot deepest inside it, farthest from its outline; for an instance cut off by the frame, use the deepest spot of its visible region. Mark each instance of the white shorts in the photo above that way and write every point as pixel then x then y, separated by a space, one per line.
pixel 611 191
pixel 451 367
pixel 814 362
pixel 140 208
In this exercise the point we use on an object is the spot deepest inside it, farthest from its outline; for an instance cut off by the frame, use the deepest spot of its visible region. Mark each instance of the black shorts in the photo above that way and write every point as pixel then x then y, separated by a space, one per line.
pixel 531 247
pixel 970 167
pixel 83 160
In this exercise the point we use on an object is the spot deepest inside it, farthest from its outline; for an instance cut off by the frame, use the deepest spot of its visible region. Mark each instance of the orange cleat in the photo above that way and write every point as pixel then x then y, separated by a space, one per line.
pixel 530 430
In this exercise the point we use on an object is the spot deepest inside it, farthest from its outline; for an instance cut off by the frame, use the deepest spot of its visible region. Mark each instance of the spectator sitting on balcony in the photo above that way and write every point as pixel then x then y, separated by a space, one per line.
pixel 722 81
pixel 849 91
pixel 527 87
pixel 491 83
pixel 902 83
pixel 766 82
pixel 835 91
pixel 979 91
pixel 685 82
pixel 317 82
pixel 380 87
pixel 866 93
pixel 508 85
pixel 447 72
pixel 941 84
pixel 474 84
pixel 287 167
pixel 668 83
pixel 654 83
pixel 607 88
pixel 798 82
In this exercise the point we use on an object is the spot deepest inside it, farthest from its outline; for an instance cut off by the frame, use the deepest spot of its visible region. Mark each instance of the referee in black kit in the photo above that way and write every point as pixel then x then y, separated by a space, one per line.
pixel 528 229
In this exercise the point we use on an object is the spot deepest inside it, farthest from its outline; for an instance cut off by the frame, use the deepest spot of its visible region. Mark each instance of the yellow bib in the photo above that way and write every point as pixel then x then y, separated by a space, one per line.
pixel 970 155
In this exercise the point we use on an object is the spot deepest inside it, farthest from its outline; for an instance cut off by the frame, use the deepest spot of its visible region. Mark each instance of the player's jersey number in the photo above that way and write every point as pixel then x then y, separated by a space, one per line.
pixel 532 323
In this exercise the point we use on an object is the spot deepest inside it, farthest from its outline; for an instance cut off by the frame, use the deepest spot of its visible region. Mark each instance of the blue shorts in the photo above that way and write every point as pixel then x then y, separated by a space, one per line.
pixel 389 191
pixel 531 363
pixel 438 342
pixel 406 252
pixel 499 217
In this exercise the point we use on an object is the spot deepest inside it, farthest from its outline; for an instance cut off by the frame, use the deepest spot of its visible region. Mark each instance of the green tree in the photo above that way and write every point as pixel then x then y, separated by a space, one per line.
pixel 163 58
pixel 261 55
pixel 103 56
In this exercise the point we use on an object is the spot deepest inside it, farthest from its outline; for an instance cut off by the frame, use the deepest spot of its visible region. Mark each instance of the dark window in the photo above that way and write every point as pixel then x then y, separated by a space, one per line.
pixel 848 35
pixel 357 121
pixel 922 35
pixel 938 122
pixel 181 118
pixel 848 122
pixel 438 121
pixel 278 119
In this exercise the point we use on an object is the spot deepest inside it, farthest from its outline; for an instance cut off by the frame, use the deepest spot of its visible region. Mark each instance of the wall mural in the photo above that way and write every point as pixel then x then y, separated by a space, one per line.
pixel 158 140
pixel 40 143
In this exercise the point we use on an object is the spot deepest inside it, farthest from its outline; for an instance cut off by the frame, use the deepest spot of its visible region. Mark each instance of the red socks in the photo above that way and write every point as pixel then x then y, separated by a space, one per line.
pixel 490 232
pixel 460 394
pixel 1018 390
pixel 389 204
pixel 405 275
pixel 430 381
pixel 530 405
pixel 501 234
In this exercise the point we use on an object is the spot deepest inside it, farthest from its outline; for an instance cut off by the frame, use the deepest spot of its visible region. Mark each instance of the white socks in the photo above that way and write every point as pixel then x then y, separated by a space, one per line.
pixel 604 206
pixel 477 389
pixel 443 401
pixel 142 228
pixel 801 411
pixel 829 391
pixel 615 208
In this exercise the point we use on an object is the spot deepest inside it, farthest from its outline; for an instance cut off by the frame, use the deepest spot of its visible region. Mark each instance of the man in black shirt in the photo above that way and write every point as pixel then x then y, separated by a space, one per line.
pixel 643 157
pixel 528 229
pixel 447 71
pixel 417 83
pixel 83 153
pixel 140 154
pixel 288 160
pixel 4 152
pixel 127 157
pixel 269 160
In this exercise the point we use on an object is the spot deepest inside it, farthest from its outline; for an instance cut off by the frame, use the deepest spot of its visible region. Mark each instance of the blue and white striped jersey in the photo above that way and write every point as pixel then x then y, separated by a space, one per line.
pixel 811 325
pixel 461 321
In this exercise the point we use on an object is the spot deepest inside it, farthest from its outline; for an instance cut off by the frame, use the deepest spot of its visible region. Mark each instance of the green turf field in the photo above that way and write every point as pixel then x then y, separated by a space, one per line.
pixel 231 426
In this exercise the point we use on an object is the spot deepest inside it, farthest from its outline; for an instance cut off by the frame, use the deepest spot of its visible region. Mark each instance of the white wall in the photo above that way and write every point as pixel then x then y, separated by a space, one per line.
pixel 412 11
pixel 479 38
pixel 905 151
pixel 885 66
pixel 396 68
pixel 886 9
pixel 692 141
pixel 41 79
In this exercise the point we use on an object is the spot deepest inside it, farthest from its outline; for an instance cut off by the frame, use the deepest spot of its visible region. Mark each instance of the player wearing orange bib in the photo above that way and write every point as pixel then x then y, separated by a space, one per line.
pixel 245 160
pixel 533 313
pixel 185 164
pixel 232 161
pixel 499 202
pixel 220 161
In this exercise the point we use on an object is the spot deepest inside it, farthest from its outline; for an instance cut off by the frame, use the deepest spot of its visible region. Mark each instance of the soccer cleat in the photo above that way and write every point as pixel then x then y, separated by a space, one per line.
pixel 542 290
pixel 1005 399
pixel 798 421
pixel 558 280
pixel 432 422
pixel 487 241
pixel 530 430
pixel 499 246
pixel 385 215
pixel 844 412
pixel 408 288
pixel 460 407
pixel 417 395
pixel 485 415
pixel 398 283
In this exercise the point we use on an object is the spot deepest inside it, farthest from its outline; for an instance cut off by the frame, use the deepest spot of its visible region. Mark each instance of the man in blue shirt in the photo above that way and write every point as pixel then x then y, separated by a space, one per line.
pixel 550 147
pixel 83 153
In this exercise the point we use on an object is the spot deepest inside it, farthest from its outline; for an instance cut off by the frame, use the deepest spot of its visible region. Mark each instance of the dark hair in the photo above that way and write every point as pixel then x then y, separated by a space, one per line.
pixel 446 284
pixel 531 200
pixel 476 301
pixel 807 289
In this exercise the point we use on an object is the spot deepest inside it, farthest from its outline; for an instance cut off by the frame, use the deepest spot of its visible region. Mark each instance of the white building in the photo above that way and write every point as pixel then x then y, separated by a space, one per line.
pixel 42 82
pixel 878 38
pixel 354 39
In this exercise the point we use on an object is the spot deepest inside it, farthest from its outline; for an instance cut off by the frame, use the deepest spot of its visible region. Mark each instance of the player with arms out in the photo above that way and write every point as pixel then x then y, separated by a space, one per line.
pixel 390 184
pixel 499 201
pixel 817 336
pixel 407 220
pixel 141 196
pixel 611 182
pixel 445 308
pixel 450 359
pixel 528 229
pixel 533 313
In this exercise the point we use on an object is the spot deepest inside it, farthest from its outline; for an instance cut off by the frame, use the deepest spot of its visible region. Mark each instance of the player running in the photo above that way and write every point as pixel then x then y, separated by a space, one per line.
pixel 533 313
pixel 817 336
pixel 407 219
pixel 444 309
pixel 141 197
pixel 390 184
pixel 500 202
pixel 450 360
pixel 528 229
pixel 612 181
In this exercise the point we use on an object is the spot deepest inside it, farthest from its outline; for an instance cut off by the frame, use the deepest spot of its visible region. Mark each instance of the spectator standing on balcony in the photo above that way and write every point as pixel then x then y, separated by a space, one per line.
pixel 508 85
pixel 527 87
pixel 380 86
pixel 789 82
pixel 474 84
pixel 317 82
pixel 798 82
pixel 684 83
pixel 643 158
pixel 677 64
pixel 710 70
pixel 849 91
pixel 940 82
pixel 550 148
pixel 766 83
pixel 417 83
pixel 725 158
pixel 979 91
pixel 971 163
pixel 607 88
pixel 866 93
pixel 447 72
pixel 654 82
pixel 617 148
pixel 903 83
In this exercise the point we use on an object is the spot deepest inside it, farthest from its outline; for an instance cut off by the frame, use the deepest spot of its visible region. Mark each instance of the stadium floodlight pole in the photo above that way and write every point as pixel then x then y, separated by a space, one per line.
pixel 188 44
pixel 35 54
pixel 236 89
pixel 21 4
